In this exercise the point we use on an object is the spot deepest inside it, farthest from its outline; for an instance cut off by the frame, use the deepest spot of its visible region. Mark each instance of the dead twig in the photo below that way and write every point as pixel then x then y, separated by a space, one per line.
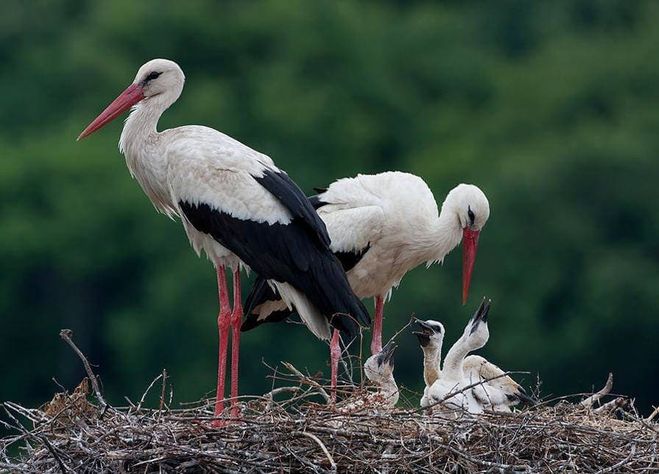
pixel 67 335
pixel 594 398
pixel 322 446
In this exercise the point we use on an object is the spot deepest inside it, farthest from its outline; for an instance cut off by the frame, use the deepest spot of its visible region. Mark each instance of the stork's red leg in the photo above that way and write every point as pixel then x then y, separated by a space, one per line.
pixel 376 338
pixel 236 319
pixel 223 324
pixel 335 355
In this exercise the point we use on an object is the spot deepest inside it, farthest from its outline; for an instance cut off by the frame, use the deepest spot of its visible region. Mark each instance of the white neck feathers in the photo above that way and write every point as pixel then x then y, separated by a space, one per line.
pixel 140 144
pixel 432 357
pixel 453 368
pixel 443 236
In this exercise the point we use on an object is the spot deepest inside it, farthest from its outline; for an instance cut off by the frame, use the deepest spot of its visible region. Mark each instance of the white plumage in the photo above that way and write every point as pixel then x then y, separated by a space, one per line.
pixel 236 206
pixel 379 370
pixel 494 391
pixel 396 214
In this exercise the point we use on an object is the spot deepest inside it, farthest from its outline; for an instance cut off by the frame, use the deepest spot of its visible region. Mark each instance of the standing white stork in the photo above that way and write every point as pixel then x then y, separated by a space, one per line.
pixel 237 207
pixel 381 227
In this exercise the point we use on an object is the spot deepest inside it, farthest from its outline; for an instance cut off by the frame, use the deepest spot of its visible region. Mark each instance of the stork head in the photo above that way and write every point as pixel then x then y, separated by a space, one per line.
pixel 476 333
pixel 430 333
pixel 379 368
pixel 471 209
pixel 159 80
pixel 160 76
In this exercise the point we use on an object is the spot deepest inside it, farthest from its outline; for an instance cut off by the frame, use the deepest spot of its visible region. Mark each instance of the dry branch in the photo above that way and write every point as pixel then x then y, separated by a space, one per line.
pixel 594 398
pixel 66 335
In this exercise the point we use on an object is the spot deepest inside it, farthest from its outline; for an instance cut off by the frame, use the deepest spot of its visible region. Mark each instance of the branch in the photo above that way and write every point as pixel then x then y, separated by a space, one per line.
pixel 66 335
pixel 590 401
pixel 322 446
pixel 307 380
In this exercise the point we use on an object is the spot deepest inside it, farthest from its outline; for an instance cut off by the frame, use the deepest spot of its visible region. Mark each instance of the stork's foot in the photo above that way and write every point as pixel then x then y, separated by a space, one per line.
pixel 222 418
pixel 218 423
pixel 235 412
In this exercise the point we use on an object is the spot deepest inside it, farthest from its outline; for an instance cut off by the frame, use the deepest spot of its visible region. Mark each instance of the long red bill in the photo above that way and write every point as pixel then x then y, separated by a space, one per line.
pixel 131 96
pixel 469 247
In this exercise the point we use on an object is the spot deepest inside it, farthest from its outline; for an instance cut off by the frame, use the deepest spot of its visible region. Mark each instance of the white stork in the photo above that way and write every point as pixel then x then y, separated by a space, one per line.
pixel 237 207
pixel 497 391
pixel 431 337
pixel 379 370
pixel 381 227
pixel 453 379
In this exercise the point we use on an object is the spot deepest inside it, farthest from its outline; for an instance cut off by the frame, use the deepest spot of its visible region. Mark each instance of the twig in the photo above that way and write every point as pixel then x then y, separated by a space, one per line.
pixel 66 334
pixel 611 405
pixel 322 446
pixel 63 467
pixel 594 398
pixel 618 465
pixel 308 380
pixel 653 414
pixel 162 390
pixel 148 389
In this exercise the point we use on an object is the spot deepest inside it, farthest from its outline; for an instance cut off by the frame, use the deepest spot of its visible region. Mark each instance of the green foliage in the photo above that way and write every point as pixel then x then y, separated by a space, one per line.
pixel 550 107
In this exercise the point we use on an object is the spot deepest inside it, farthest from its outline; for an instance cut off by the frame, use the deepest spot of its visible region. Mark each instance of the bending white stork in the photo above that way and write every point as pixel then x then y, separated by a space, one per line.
pixel 381 227
pixel 237 207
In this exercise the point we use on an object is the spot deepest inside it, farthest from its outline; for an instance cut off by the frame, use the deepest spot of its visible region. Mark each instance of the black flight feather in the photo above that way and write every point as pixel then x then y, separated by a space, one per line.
pixel 296 253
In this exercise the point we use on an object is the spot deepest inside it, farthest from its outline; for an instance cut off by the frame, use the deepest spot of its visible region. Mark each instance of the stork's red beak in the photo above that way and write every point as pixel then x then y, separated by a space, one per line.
pixel 469 247
pixel 131 96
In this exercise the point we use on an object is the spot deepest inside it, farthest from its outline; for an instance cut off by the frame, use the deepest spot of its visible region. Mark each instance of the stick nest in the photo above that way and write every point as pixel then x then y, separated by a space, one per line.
pixel 72 434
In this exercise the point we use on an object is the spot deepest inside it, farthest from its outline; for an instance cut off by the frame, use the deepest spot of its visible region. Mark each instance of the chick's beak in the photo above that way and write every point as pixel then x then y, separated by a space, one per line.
pixel 387 352
pixel 481 314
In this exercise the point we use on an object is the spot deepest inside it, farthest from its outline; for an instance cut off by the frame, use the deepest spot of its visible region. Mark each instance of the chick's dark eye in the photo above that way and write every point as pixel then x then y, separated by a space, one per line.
pixel 471 215
pixel 153 75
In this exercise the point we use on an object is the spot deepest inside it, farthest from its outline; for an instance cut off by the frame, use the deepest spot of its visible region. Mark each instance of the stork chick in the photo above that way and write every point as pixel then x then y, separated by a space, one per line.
pixel 379 369
pixel 496 392
pixel 431 337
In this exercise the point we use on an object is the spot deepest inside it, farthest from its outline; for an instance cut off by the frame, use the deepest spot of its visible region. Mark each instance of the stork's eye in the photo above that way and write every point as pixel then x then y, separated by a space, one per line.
pixel 153 75
pixel 471 215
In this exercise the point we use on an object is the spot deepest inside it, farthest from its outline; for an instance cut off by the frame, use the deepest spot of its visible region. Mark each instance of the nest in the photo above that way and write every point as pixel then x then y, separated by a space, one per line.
pixel 293 429
pixel 70 434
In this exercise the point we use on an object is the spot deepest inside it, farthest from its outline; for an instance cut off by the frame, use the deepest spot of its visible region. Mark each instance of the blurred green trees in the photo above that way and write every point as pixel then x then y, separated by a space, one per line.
pixel 552 108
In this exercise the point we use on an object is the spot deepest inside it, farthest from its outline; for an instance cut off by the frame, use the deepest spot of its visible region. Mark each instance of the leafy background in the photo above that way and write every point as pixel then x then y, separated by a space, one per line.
pixel 551 107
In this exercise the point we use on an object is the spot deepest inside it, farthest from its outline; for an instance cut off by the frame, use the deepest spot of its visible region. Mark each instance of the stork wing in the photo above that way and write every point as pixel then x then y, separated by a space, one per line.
pixel 257 212
pixel 478 367
pixel 489 396
pixel 351 231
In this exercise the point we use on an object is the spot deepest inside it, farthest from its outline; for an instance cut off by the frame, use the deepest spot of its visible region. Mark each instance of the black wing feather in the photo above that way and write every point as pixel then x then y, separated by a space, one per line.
pixel 261 292
pixel 350 259
pixel 296 253
pixel 291 196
